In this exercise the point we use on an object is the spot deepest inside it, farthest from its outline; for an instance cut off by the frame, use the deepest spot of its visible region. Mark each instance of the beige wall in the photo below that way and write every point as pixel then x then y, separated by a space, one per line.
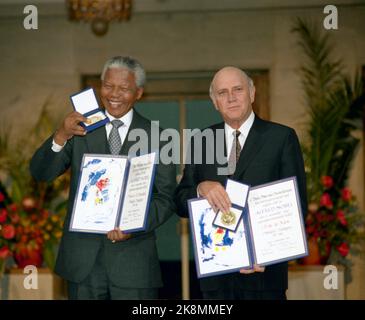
pixel 49 61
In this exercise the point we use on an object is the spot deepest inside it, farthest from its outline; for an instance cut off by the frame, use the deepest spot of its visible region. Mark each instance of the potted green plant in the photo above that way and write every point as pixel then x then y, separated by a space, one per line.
pixel 334 223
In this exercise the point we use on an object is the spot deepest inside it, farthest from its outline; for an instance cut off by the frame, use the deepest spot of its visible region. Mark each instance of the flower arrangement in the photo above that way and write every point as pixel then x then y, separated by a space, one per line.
pixel 334 223
pixel 28 233
pixel 31 213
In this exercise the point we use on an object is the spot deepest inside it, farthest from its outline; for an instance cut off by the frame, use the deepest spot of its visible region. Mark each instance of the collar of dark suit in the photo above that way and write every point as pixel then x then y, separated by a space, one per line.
pixel 138 122
pixel 253 144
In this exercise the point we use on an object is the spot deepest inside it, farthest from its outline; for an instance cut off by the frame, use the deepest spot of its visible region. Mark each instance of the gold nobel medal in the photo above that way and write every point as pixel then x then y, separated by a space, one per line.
pixel 228 218
pixel 93 119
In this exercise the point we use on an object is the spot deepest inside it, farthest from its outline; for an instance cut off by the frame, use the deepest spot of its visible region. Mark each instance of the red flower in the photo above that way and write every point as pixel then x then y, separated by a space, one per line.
pixel 327 182
pixel 2 197
pixel 4 252
pixel 341 217
pixel 3 215
pixel 39 240
pixel 8 231
pixel 29 257
pixel 326 201
pixel 343 249
pixel 13 207
pixel 346 194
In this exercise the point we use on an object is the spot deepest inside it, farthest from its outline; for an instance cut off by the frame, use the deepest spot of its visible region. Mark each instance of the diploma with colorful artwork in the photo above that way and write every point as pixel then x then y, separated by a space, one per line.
pixel 217 250
pixel 271 230
pixel 113 191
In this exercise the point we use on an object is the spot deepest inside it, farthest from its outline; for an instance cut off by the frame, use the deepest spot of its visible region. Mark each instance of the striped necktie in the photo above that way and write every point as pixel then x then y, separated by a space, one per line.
pixel 115 143
pixel 235 153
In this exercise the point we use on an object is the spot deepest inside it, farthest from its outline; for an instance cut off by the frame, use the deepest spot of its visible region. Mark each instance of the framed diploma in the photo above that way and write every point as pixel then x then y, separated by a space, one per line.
pixel 113 191
pixel 271 229
pixel 85 103
pixel 216 250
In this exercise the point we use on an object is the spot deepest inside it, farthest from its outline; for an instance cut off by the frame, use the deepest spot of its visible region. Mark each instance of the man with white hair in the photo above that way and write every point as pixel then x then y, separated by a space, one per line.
pixel 257 152
pixel 119 265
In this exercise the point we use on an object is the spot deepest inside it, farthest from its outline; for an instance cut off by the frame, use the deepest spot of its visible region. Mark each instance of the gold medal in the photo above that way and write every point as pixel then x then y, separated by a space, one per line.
pixel 228 218
pixel 93 119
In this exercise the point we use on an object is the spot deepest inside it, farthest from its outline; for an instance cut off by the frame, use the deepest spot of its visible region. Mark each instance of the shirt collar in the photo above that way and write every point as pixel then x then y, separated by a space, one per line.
pixel 127 118
pixel 244 128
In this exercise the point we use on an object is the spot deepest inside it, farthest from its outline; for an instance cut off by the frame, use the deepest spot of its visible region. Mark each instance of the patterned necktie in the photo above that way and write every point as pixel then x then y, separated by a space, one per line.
pixel 235 153
pixel 115 143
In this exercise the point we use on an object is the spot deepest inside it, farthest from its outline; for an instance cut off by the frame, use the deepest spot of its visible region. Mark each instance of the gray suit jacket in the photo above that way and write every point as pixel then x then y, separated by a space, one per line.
pixel 130 264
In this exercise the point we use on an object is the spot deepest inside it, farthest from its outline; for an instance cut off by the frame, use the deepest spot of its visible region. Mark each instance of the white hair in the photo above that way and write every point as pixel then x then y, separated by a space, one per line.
pixel 244 74
pixel 129 63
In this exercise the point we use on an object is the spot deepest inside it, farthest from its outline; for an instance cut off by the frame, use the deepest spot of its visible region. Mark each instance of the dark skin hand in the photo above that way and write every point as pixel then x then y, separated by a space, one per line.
pixel 70 127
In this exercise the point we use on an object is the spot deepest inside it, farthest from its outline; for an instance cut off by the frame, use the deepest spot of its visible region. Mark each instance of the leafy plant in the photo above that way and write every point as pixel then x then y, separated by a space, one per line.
pixel 333 219
pixel 333 115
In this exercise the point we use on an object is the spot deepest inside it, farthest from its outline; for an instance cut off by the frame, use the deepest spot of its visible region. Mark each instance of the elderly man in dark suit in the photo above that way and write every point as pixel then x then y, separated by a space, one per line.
pixel 261 152
pixel 119 265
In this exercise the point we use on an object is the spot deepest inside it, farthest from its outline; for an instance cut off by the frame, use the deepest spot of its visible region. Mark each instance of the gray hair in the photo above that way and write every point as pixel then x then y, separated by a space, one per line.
pixel 244 74
pixel 129 63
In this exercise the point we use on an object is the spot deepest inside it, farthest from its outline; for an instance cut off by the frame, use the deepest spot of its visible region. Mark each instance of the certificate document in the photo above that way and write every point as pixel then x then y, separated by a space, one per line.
pixel 271 229
pixel 276 222
pixel 138 192
pixel 113 191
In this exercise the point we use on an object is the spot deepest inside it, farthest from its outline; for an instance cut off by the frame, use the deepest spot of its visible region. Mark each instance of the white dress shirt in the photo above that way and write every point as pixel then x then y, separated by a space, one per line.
pixel 244 129
pixel 228 131
pixel 123 130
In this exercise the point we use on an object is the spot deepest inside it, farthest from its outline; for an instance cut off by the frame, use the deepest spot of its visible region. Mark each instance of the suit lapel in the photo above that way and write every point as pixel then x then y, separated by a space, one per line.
pixel 212 145
pixel 97 142
pixel 253 144
pixel 135 124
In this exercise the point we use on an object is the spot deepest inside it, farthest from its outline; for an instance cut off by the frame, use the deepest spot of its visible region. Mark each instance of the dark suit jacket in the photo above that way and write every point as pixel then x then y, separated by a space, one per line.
pixel 271 152
pixel 130 264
